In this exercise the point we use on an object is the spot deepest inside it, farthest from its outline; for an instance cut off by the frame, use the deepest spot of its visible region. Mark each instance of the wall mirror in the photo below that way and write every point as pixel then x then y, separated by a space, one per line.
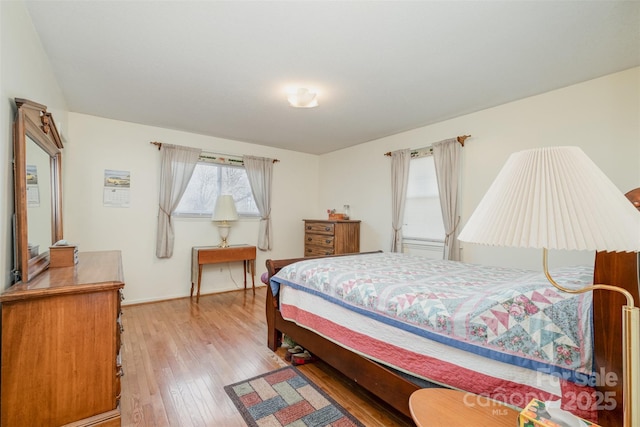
pixel 38 188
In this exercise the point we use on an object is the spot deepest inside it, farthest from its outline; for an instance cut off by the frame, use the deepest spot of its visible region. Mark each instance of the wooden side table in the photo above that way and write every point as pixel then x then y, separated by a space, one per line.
pixel 201 255
pixel 431 407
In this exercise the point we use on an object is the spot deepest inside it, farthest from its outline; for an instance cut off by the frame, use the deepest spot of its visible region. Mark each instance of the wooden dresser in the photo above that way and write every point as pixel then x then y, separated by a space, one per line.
pixel 61 345
pixel 323 237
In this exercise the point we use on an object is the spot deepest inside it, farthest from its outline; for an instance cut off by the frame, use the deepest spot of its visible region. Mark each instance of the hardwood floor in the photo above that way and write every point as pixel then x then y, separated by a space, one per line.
pixel 178 356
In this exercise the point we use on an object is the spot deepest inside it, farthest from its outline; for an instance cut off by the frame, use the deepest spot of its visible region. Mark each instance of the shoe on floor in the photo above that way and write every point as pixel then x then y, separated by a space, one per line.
pixel 302 358
pixel 290 352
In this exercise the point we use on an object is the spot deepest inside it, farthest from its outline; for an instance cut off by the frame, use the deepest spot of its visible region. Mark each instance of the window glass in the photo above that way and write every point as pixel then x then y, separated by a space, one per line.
pixel 422 214
pixel 210 180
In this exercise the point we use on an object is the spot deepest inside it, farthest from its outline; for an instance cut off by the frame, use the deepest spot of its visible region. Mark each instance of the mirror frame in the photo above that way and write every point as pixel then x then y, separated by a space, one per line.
pixel 33 120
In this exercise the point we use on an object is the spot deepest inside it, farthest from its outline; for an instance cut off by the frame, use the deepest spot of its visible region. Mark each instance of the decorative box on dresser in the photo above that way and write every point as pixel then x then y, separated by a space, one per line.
pixel 61 345
pixel 331 237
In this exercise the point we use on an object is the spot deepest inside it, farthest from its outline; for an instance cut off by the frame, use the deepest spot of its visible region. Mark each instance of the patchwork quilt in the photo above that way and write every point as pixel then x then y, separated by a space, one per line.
pixel 511 315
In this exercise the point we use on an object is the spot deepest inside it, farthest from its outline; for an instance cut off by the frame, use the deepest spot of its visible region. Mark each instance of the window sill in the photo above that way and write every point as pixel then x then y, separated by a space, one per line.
pixel 184 217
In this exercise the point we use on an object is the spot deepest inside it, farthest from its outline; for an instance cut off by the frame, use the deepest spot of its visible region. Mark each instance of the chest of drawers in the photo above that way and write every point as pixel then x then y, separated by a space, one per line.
pixel 61 345
pixel 322 237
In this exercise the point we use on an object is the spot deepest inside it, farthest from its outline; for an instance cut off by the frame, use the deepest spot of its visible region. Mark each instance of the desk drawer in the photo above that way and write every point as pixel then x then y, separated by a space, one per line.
pixel 217 255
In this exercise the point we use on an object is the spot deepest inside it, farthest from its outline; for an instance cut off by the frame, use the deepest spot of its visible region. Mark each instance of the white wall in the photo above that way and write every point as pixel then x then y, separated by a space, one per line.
pixel 96 144
pixel 602 116
pixel 25 72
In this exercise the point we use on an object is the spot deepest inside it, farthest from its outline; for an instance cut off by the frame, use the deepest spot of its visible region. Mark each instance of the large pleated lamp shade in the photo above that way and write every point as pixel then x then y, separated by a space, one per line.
pixel 554 198
pixel 557 198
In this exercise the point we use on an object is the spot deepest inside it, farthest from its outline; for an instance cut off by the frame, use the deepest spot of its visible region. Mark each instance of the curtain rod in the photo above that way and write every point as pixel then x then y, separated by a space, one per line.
pixel 159 145
pixel 460 139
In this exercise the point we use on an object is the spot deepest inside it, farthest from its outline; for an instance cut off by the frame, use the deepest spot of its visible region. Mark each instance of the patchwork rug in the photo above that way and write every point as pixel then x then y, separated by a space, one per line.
pixel 286 397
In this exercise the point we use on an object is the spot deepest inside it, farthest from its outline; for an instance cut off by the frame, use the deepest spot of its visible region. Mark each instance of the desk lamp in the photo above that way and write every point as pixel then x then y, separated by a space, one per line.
pixel 557 198
pixel 223 214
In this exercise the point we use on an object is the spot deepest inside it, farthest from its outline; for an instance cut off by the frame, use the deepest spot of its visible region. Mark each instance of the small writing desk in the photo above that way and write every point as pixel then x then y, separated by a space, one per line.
pixel 201 255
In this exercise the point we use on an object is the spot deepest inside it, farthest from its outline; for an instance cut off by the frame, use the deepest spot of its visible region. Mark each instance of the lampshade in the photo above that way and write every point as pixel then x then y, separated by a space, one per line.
pixel 554 198
pixel 303 98
pixel 225 209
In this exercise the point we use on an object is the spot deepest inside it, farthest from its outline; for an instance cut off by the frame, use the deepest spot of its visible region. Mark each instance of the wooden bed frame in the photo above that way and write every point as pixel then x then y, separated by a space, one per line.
pixel 619 269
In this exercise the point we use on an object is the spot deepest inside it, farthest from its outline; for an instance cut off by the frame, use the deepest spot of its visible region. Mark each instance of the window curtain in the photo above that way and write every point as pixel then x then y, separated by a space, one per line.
pixel 176 167
pixel 399 180
pixel 260 174
pixel 446 156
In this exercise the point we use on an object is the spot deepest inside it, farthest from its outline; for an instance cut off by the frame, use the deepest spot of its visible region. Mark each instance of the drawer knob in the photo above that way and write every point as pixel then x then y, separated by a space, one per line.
pixel 328 241
pixel 327 229
pixel 308 227
pixel 309 239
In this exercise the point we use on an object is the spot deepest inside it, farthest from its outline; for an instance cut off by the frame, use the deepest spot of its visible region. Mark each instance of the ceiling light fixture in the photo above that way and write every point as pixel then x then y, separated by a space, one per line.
pixel 303 98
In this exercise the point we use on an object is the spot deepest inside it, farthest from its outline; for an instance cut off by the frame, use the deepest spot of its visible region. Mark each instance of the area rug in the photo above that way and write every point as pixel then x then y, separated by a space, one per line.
pixel 287 398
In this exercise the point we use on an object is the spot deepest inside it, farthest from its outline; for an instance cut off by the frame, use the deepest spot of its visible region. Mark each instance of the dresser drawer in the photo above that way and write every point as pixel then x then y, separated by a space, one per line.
pixel 319 228
pixel 106 419
pixel 119 325
pixel 118 379
pixel 119 330
pixel 324 241
pixel 310 250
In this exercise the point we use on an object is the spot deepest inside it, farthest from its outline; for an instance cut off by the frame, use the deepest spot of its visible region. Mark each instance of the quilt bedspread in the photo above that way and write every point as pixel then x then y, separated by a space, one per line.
pixel 511 315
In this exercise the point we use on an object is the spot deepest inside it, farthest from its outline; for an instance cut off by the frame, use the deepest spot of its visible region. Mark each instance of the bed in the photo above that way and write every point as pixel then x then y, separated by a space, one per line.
pixel 365 362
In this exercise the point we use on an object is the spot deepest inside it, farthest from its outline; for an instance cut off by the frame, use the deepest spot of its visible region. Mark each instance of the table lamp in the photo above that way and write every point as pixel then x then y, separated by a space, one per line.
pixel 223 213
pixel 557 198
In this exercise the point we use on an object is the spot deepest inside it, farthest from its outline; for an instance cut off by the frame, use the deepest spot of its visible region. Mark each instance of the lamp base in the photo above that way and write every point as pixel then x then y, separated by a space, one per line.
pixel 630 357
pixel 223 230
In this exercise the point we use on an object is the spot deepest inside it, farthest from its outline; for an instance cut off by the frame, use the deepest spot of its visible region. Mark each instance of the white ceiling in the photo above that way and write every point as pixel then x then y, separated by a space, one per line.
pixel 221 68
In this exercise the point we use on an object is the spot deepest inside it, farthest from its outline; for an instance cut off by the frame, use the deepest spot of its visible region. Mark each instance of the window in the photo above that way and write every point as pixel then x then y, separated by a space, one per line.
pixel 422 214
pixel 211 179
